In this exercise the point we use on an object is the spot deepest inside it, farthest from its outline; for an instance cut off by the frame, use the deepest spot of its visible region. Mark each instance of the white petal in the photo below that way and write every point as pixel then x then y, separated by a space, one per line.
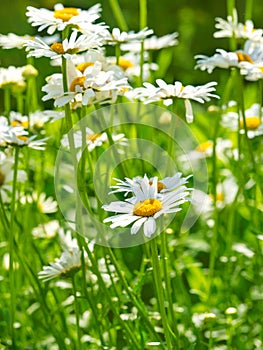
pixel 137 225
pixel 149 227
pixel 118 207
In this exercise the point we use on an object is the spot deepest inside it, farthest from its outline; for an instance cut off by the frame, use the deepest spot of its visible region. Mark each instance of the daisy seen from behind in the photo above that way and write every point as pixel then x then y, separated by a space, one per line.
pixel 146 206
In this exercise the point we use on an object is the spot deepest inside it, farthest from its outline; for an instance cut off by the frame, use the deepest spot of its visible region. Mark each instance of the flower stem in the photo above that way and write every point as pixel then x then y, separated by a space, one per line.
pixel 11 248
pixel 114 4
pixel 168 290
pixel 249 9
pixel 7 102
pixel 76 312
pixel 159 291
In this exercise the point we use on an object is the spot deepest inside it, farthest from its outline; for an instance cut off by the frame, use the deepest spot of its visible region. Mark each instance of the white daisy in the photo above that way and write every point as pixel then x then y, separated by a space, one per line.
pixel 164 185
pixel 12 138
pixel 44 204
pixel 146 206
pixel 232 28
pixel 251 54
pixel 93 86
pixel 11 77
pixel 117 37
pixel 70 261
pixel 73 45
pixel 13 41
pixel 152 43
pixel 93 140
pixel 65 266
pixel 168 92
pixel 253 117
pixel 46 230
pixel 131 66
pixel 61 17
pixel 7 173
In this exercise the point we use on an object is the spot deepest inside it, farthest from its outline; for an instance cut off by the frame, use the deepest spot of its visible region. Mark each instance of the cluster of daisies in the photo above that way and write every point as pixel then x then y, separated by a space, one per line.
pixel 248 59
pixel 94 77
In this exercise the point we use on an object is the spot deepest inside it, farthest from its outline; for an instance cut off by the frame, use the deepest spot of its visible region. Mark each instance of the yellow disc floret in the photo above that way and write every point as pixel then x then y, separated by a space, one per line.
pixel 252 123
pixel 243 57
pixel 79 81
pixel 147 208
pixel 204 146
pixel 58 48
pixel 92 137
pixel 82 66
pixel 66 13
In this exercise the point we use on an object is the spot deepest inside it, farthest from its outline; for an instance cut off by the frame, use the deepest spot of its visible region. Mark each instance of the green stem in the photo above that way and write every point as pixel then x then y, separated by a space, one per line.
pixel 11 247
pixel 213 246
pixel 137 303
pixel 168 290
pixel 77 313
pixel 143 13
pixel 248 141
pixel 130 335
pixel 159 291
pixel 114 4
pixel 249 9
pixel 69 123
pixel 7 102
pixel 141 62
pixel 230 8
pixel 117 53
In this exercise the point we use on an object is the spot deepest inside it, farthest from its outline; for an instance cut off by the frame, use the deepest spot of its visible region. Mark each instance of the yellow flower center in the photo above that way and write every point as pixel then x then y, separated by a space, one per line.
pixel 147 208
pixel 160 186
pixel 15 123
pixel 66 13
pixel 22 138
pixel 92 137
pixel 204 146
pixel 125 64
pixel 2 178
pixel 219 197
pixel 82 66
pixel 58 48
pixel 243 57
pixel 252 122
pixel 77 81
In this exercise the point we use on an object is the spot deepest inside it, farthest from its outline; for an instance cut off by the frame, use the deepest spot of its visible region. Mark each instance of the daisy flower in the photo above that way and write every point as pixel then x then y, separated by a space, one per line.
pixel 93 140
pixel 232 28
pixel 7 174
pixel 61 17
pixel 12 77
pixel 69 262
pixel 94 85
pixel 43 203
pixel 38 48
pixel 168 92
pixel 118 37
pixel 152 43
pixel 252 54
pixel 46 230
pixel 130 65
pixel 253 117
pixel 13 41
pixel 65 266
pixel 145 207
pixel 164 185
pixel 205 150
pixel 12 138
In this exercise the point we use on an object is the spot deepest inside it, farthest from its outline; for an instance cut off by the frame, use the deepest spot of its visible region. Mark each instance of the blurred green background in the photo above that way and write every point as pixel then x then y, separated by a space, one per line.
pixel 193 19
